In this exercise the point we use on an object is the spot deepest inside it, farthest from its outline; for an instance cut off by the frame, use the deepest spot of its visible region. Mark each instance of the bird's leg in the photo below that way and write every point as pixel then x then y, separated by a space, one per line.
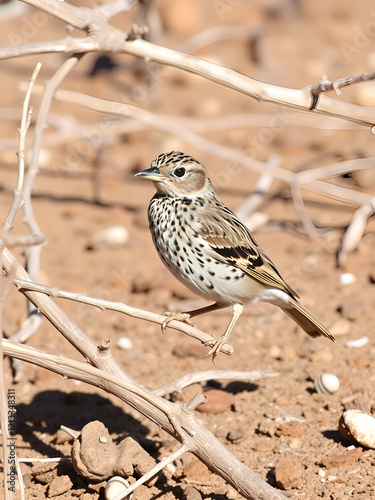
pixel 217 342
pixel 185 316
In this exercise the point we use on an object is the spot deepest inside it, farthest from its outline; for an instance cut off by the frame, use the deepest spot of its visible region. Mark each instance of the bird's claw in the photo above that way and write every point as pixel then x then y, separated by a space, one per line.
pixel 184 317
pixel 216 343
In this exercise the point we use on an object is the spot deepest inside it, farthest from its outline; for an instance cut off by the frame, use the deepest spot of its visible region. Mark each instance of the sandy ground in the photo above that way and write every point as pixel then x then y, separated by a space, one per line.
pixel 86 183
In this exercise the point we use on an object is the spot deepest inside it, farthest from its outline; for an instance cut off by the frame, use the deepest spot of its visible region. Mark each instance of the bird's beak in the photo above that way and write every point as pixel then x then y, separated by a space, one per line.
pixel 152 174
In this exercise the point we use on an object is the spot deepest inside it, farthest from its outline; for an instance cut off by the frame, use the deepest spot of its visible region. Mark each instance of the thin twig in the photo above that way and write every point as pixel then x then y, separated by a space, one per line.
pixel 11 467
pixel 133 312
pixel 193 378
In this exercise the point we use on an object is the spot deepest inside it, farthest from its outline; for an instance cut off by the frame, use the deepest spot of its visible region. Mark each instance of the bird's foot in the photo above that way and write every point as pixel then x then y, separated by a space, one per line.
pixel 216 343
pixel 184 317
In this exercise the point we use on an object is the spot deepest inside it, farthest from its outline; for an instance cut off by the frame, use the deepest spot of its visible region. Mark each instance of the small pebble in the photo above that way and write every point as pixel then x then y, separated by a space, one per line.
pixel 217 401
pixel 341 327
pixel 342 459
pixel 347 279
pixel 191 493
pixel 124 343
pixel 59 485
pixel 291 429
pixel 197 471
pixel 236 434
pixel 288 472
pixel 110 237
pixel 264 446
pixel 115 486
pixel 357 343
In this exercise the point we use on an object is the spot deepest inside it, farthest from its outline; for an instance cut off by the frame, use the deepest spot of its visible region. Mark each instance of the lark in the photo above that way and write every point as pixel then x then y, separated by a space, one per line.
pixel 208 249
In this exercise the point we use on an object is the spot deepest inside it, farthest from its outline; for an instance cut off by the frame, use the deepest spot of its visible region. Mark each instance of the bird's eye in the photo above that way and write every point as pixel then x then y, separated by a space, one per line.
pixel 179 172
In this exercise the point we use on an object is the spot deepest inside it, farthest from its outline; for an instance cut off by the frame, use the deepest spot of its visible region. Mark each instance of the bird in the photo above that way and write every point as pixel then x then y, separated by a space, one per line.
pixel 208 249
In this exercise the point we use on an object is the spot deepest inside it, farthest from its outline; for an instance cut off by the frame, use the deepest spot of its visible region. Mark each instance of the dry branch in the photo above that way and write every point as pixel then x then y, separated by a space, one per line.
pixel 54 292
pixel 102 37
pixel 200 441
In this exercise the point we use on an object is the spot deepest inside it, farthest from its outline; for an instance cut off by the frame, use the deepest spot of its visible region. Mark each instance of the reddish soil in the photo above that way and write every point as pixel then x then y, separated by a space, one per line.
pixel 86 183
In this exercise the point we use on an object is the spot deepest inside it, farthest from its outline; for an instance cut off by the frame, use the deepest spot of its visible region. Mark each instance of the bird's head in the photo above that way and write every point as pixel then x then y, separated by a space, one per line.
pixel 177 174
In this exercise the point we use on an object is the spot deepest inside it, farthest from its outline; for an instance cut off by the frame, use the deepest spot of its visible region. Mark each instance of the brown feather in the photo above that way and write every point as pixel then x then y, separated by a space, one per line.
pixel 236 246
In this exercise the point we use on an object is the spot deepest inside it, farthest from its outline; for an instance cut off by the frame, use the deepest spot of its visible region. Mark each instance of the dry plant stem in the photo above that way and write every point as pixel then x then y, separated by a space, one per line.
pixel 194 437
pixel 263 185
pixel 105 38
pixel 203 444
pixel 33 253
pixel 86 373
pixel 354 232
pixel 102 304
pixel 6 227
pixel 193 378
pixel 210 147
pixel 68 128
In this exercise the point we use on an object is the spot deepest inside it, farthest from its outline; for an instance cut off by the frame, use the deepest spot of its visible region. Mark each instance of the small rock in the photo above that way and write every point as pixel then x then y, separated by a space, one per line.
pixel 341 459
pixel 341 327
pixel 357 343
pixel 191 493
pixel 110 237
pixel 124 343
pixel 295 443
pixel 60 485
pixel 130 454
pixel 275 352
pixel 288 472
pixel 358 427
pixel 197 471
pixel 292 429
pixel 236 434
pixel 94 454
pixel 62 437
pixel 264 446
pixel 347 278
pixel 351 309
pixel 217 401
pixel 281 401
pixel 45 474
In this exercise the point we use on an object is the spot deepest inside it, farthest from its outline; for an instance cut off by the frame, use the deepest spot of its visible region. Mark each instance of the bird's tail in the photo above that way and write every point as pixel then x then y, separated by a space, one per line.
pixel 306 320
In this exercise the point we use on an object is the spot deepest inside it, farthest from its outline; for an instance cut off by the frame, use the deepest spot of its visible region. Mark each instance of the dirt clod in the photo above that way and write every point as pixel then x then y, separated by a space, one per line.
pixel 288 472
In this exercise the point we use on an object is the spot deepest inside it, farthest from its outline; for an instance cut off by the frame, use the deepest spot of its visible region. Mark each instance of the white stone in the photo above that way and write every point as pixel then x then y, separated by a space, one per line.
pixel 347 279
pixel 357 343
pixel 110 237
pixel 361 426
pixel 124 343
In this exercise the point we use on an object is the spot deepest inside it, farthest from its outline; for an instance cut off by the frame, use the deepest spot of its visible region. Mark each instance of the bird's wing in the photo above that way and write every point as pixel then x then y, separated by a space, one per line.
pixel 233 243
